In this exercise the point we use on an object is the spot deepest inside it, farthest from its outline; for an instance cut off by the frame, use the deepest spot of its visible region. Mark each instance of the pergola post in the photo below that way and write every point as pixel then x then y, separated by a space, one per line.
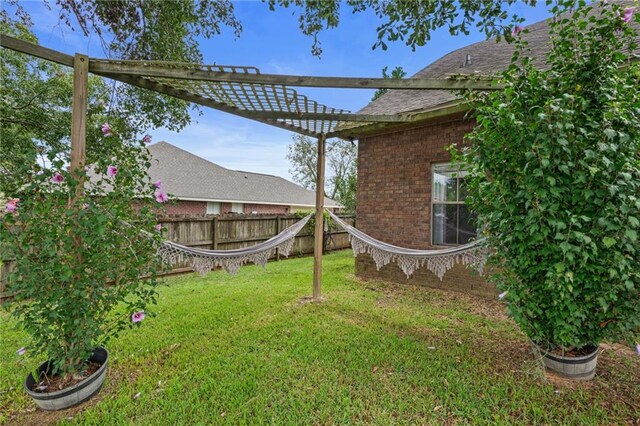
pixel 79 117
pixel 79 133
pixel 319 230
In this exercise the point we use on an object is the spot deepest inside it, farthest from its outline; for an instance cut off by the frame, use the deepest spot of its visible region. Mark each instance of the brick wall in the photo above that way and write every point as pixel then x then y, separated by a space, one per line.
pixel 225 208
pixel 199 208
pixel 394 196
pixel 187 208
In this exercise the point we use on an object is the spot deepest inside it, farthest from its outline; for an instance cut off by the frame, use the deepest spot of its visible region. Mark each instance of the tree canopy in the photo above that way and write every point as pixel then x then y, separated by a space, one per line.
pixel 168 30
pixel 341 159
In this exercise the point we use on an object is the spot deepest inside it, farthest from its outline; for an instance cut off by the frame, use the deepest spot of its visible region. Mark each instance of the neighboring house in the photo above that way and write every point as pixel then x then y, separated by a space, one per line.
pixel 406 194
pixel 201 187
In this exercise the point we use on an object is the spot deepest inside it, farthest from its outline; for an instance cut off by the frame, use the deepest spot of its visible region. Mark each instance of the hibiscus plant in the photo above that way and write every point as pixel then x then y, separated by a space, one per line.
pixel 81 243
pixel 83 263
pixel 554 179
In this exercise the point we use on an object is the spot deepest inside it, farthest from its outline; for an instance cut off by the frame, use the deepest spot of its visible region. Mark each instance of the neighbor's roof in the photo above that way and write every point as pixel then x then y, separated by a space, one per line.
pixel 189 177
pixel 485 58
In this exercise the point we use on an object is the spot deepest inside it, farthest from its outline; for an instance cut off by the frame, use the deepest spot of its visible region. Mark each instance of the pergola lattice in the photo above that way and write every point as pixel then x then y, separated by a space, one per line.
pixel 273 104
pixel 243 91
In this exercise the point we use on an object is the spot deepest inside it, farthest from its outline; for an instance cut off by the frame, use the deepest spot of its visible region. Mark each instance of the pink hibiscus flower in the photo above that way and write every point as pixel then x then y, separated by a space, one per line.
pixel 106 129
pixel 57 178
pixel 146 139
pixel 628 14
pixel 158 184
pixel 12 205
pixel 137 316
pixel 161 196
pixel 112 171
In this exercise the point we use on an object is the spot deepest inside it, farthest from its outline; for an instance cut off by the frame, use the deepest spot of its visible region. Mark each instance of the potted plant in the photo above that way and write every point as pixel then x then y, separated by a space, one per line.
pixel 84 258
pixel 555 182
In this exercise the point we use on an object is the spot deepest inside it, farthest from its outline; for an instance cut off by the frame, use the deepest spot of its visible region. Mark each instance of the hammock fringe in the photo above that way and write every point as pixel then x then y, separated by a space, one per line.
pixel 473 254
pixel 203 261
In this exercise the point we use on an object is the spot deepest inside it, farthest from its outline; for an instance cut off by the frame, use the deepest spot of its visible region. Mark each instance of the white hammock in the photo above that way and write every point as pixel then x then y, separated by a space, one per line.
pixel 437 261
pixel 203 261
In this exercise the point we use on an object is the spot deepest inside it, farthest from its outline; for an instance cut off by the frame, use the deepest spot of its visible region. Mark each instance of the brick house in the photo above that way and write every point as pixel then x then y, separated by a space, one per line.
pixel 408 193
pixel 202 187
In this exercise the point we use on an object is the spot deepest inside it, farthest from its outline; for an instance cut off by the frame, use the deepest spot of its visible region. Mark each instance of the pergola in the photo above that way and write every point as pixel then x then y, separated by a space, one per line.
pixel 243 91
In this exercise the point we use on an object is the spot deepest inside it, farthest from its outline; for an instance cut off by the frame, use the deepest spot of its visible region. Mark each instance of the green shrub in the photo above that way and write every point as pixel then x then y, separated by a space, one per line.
pixel 84 265
pixel 555 180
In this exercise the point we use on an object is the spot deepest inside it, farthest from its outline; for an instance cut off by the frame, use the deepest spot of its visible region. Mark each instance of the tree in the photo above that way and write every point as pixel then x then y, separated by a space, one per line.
pixel 35 109
pixel 554 180
pixel 341 167
pixel 163 30
pixel 412 22
pixel 396 74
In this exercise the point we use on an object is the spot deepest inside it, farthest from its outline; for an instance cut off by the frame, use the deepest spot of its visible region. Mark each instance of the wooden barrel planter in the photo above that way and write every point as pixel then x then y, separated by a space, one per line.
pixel 573 368
pixel 73 395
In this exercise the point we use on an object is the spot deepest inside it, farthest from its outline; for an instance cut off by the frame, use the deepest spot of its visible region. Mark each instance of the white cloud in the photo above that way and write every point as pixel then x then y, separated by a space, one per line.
pixel 234 143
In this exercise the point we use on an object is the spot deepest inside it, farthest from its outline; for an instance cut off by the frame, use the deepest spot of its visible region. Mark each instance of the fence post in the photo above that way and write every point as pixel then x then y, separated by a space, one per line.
pixel 278 230
pixel 214 233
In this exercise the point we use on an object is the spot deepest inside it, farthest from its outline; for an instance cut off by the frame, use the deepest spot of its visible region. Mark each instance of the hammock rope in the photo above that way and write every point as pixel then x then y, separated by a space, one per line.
pixel 203 261
pixel 409 260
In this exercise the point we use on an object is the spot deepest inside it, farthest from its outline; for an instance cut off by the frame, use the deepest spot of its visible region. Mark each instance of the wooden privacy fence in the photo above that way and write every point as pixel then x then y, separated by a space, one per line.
pixel 231 232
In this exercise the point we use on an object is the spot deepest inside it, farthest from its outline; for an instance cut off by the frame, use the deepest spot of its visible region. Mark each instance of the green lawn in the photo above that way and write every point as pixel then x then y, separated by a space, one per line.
pixel 246 349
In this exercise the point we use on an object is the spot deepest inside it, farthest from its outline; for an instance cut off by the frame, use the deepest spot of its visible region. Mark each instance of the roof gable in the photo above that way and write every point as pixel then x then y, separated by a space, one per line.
pixel 187 176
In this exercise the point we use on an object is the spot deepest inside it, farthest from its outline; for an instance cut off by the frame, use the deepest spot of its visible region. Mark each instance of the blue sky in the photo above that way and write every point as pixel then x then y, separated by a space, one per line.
pixel 272 42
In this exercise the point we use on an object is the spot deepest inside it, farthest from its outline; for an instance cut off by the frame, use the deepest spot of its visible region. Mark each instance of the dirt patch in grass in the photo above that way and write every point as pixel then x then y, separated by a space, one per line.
pixel 436 298
pixel 310 299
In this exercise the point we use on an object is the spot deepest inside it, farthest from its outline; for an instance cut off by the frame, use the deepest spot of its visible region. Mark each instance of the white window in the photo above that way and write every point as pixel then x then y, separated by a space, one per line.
pixel 451 221
pixel 213 208
pixel 237 208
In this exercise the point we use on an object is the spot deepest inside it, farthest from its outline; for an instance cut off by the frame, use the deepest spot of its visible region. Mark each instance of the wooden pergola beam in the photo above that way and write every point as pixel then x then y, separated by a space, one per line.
pixel 144 70
pixel 36 50
pixel 350 133
pixel 140 69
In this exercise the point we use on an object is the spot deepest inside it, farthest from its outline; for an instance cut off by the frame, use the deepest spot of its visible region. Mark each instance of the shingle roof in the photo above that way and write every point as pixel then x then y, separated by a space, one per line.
pixel 487 57
pixel 187 176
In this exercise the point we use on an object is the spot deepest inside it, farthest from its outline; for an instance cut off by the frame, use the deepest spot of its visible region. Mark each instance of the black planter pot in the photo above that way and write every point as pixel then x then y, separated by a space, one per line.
pixel 73 395
pixel 574 368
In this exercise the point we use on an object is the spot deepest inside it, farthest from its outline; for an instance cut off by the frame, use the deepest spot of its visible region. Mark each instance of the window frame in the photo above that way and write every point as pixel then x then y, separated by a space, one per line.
pixel 457 202
pixel 214 204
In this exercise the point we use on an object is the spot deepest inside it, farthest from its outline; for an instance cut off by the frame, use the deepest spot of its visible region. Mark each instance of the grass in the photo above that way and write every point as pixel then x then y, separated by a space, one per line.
pixel 247 349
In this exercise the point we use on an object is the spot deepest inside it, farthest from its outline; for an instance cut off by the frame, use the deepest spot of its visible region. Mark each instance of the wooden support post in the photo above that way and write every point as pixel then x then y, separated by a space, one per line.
pixel 79 118
pixel 317 242
pixel 278 230
pixel 78 137
pixel 214 234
